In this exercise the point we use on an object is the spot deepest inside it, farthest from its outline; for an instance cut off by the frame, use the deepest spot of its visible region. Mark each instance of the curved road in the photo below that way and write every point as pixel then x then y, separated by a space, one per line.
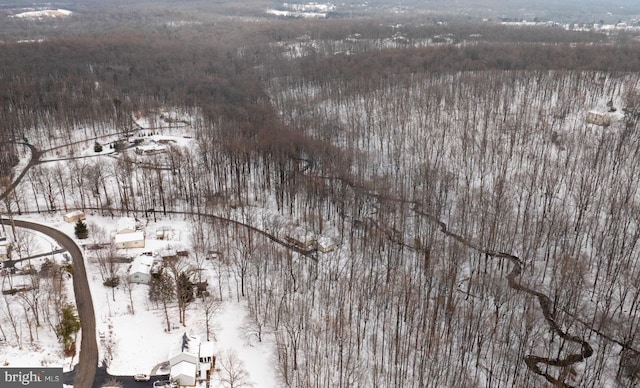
pixel 35 159
pixel 88 359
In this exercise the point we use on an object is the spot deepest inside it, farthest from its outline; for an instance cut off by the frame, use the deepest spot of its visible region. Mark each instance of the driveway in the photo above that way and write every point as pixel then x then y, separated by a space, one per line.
pixel 103 376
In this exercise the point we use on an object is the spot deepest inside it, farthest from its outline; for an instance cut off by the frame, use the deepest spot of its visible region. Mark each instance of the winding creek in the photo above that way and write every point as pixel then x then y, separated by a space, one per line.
pixel 544 302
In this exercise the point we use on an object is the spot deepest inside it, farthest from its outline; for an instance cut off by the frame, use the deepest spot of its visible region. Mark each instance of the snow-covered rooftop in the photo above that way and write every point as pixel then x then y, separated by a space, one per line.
pixel 186 343
pixel 207 348
pixel 128 237
pixel 75 213
pixel 142 264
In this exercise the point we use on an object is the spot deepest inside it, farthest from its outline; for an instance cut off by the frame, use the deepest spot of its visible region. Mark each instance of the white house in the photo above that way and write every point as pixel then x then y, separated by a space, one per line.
pixel 190 360
pixel 184 360
pixel 185 373
pixel 73 216
pixel 129 240
pixel 140 270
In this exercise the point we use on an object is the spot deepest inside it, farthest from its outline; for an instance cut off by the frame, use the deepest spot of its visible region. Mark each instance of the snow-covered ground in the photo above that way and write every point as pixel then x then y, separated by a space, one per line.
pixel 41 14
pixel 309 10
pixel 137 342
pixel 140 341
pixel 133 340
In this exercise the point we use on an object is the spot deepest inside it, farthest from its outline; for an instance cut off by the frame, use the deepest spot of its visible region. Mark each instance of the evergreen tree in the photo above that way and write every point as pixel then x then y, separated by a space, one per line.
pixel 68 328
pixel 81 230
pixel 185 288
pixel 162 289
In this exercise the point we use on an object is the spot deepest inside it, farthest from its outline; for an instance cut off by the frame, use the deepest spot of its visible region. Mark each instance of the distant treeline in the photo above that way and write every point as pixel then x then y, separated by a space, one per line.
pixel 222 68
pixel 477 57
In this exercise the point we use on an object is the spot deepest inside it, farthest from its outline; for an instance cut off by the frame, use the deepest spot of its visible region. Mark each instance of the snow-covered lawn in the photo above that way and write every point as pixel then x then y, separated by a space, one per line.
pixel 258 357
pixel 140 342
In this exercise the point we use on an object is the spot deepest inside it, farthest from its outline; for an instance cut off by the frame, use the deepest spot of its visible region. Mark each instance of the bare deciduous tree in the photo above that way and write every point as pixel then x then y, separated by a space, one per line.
pixel 233 373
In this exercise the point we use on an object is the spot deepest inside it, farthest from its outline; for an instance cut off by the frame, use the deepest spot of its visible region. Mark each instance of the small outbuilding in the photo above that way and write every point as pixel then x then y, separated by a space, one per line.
pixel 165 233
pixel 129 240
pixel 74 216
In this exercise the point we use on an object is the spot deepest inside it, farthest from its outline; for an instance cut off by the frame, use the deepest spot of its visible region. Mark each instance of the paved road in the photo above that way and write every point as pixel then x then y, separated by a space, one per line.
pixel 35 158
pixel 88 359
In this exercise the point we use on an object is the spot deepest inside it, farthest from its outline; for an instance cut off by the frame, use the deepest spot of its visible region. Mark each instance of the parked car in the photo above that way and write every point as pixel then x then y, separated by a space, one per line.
pixel 164 384
pixel 142 377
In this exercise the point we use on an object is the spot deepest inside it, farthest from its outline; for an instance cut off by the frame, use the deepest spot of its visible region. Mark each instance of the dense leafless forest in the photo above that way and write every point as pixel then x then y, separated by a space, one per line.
pixel 486 235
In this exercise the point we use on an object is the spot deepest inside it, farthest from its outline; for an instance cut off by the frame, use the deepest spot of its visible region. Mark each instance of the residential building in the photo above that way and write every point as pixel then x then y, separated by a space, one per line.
pixel 129 240
pixel 191 360
pixel 140 270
